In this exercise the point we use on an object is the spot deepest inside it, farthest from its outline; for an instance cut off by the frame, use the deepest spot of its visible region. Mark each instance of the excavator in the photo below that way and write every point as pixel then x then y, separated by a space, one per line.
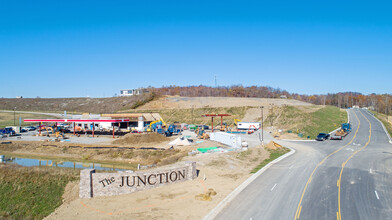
pixel 58 132
pixel 154 125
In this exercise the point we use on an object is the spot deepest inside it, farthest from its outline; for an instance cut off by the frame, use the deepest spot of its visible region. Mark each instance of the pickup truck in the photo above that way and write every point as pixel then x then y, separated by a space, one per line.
pixel 7 132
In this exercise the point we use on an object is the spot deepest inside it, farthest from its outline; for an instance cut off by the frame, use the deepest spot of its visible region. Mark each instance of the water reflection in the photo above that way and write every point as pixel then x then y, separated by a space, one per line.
pixel 28 162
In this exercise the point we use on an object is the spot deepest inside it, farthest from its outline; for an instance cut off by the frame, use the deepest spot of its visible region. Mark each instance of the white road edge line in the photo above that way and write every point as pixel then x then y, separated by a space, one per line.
pixel 273 187
pixel 376 194
pixel 291 167
pixel 215 211
pixel 386 132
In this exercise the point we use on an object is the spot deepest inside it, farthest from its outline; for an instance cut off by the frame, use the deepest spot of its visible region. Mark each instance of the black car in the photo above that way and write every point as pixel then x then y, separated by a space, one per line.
pixel 203 127
pixel 322 137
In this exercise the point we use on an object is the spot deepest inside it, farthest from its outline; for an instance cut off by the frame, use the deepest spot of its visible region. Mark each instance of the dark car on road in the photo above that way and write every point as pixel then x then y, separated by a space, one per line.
pixel 322 137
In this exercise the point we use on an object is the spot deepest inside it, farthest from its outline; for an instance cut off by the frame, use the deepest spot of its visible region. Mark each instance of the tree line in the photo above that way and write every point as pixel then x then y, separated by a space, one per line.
pixel 379 102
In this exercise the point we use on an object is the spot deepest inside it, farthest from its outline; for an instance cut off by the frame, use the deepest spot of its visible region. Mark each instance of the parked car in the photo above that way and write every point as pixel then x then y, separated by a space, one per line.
pixel 204 127
pixel 30 128
pixel 322 137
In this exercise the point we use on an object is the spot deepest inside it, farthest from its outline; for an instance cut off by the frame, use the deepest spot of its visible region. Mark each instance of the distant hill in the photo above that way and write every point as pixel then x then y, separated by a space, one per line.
pixel 92 105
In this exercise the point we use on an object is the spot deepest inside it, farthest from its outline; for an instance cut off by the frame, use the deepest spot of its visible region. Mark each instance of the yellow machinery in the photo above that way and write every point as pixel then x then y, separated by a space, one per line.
pixel 154 122
pixel 47 130
pixel 202 134
pixel 223 127
pixel 236 121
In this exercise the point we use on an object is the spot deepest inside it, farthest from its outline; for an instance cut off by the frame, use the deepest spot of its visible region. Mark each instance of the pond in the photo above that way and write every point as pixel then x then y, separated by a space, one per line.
pixel 30 162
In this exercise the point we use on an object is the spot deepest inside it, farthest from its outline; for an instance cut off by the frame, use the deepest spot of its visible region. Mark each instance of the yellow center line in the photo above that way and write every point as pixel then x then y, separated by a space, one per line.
pixel 299 208
pixel 344 164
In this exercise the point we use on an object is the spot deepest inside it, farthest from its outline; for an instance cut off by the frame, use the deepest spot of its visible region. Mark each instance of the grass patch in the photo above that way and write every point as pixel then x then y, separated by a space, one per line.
pixel 325 120
pixel 32 193
pixel 7 118
pixel 383 118
pixel 273 155
pixel 297 120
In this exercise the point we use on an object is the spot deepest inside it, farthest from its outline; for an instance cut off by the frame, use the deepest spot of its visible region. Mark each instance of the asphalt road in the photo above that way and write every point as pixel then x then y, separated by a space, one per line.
pixel 348 179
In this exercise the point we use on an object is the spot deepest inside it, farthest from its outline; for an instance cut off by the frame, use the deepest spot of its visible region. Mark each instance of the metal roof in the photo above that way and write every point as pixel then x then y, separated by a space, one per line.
pixel 76 120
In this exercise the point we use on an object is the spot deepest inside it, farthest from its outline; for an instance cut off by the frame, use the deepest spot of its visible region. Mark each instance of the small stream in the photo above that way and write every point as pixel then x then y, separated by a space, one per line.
pixel 29 162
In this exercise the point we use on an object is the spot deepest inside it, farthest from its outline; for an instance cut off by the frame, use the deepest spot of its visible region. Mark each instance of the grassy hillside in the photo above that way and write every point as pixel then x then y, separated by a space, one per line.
pixel 387 123
pixel 32 193
pixel 185 115
pixel 310 123
pixel 7 118
pixel 92 105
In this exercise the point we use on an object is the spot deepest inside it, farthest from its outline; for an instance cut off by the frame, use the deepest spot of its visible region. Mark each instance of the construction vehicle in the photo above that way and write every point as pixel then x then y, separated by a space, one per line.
pixel 172 130
pixel 192 127
pixel 223 127
pixel 201 133
pixel 156 125
pixel 248 125
pixel 346 127
pixel 236 121
pixel 339 135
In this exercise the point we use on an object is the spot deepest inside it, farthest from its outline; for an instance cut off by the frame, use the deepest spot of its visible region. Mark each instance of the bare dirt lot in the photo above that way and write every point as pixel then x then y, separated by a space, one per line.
pixel 221 172
pixel 174 102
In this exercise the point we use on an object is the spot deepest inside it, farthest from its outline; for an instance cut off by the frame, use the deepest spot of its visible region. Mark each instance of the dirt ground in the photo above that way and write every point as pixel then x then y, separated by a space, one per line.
pixel 174 102
pixel 221 172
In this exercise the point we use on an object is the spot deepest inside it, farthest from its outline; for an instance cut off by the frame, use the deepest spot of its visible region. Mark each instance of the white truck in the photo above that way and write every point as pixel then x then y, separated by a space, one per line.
pixel 248 125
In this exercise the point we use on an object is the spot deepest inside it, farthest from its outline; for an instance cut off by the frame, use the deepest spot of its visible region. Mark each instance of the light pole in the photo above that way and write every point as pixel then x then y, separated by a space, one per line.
pixel 262 126
pixel 14 116
pixel 193 122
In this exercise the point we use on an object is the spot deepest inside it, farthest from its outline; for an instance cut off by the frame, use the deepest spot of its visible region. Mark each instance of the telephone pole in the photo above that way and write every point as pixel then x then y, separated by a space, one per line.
pixel 193 122
pixel 262 125
pixel 386 106
pixel 14 116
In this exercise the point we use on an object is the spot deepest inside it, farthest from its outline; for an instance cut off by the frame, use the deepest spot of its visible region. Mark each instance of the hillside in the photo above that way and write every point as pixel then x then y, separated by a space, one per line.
pixel 175 102
pixel 190 109
pixel 92 105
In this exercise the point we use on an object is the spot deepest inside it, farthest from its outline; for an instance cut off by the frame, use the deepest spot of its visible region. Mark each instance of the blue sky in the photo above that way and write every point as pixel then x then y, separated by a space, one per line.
pixel 96 48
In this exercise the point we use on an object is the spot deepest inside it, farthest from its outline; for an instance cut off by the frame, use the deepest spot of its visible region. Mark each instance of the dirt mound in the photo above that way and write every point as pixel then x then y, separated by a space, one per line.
pixel 272 145
pixel 140 139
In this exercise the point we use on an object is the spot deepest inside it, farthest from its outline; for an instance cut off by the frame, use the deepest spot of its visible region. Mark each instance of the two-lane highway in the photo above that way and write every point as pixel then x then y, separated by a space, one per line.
pixel 325 180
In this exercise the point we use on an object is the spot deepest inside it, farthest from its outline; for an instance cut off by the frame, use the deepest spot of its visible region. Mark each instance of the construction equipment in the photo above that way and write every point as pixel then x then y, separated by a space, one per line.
pixel 223 127
pixel 201 133
pixel 172 130
pixel 48 129
pixel 192 127
pixel 236 121
pixel 346 127
pixel 341 132
pixel 248 125
pixel 154 126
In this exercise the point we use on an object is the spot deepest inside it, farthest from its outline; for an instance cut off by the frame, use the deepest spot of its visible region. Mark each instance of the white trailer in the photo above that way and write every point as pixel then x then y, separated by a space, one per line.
pixel 248 125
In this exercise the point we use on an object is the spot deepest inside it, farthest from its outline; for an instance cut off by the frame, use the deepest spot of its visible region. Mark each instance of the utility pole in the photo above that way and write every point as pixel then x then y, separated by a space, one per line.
pixel 386 107
pixel 262 126
pixel 193 122
pixel 14 116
